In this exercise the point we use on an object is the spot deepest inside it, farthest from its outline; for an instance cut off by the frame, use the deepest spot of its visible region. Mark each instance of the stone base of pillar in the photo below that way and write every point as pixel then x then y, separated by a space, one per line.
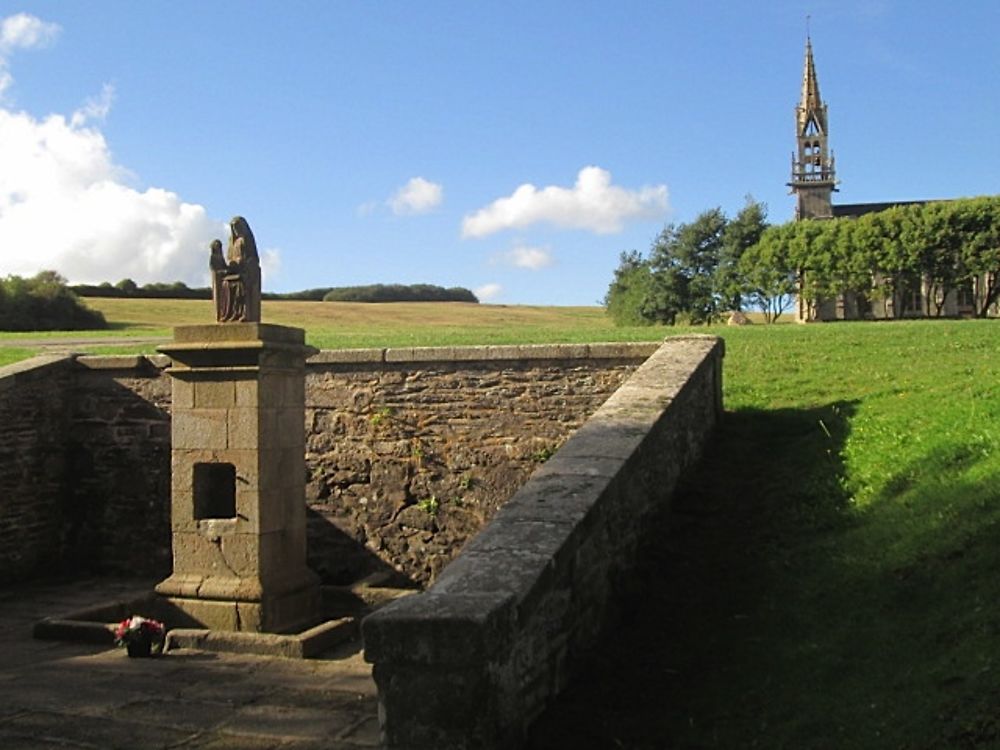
pixel 241 604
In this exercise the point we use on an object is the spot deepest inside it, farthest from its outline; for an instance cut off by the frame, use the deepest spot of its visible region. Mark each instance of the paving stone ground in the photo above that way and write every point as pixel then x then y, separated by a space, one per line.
pixel 65 695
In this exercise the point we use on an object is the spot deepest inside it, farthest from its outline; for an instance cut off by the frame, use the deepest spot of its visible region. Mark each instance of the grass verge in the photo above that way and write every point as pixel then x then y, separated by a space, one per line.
pixel 12 354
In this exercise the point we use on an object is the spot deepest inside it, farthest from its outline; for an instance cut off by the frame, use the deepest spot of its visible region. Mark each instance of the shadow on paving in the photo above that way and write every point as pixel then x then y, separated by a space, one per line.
pixel 688 657
pixel 82 696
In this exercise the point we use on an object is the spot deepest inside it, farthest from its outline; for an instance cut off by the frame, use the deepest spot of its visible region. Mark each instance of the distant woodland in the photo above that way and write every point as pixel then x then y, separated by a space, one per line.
pixel 370 293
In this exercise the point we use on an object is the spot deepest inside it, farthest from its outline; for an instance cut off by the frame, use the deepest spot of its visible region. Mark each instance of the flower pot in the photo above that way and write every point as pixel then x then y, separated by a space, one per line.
pixel 139 647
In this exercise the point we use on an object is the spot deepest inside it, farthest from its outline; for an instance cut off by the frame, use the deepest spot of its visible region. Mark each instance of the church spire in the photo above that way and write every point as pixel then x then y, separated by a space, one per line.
pixel 811 112
pixel 813 180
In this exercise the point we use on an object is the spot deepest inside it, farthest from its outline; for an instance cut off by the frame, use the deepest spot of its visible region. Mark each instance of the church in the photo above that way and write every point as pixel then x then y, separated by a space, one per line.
pixel 813 183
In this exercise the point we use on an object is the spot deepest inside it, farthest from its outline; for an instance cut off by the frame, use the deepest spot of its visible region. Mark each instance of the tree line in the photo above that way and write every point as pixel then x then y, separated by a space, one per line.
pixel 698 271
pixel 370 293
pixel 126 288
pixel 942 246
pixel 399 293
pixel 44 303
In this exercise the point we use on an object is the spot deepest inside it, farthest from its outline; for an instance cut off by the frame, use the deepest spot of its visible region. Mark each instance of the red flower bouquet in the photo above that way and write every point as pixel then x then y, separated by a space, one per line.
pixel 141 636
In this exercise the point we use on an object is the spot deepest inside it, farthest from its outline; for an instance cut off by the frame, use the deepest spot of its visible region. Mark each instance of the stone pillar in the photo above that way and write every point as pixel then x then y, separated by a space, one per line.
pixel 238 512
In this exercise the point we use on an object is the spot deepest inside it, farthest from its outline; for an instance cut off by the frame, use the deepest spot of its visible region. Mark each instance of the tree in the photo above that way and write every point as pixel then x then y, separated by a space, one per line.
pixel 128 286
pixel 684 259
pixel 768 274
pixel 42 303
pixel 740 233
pixel 979 255
pixel 627 295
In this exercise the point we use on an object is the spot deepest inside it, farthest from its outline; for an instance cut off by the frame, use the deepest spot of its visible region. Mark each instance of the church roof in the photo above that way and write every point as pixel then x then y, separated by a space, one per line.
pixel 860 209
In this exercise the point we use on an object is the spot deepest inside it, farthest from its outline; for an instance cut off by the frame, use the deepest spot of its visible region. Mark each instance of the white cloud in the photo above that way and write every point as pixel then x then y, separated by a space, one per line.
pixel 270 262
pixel 21 31
pixel 25 31
pixel 417 196
pixel 524 256
pixel 94 109
pixel 64 205
pixel 488 292
pixel 593 204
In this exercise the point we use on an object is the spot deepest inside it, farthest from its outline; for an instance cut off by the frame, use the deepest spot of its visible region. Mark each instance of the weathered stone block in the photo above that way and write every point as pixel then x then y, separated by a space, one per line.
pixel 445 629
pixel 214 394
pixel 202 429
pixel 245 428
pixel 247 392
pixel 182 393
pixel 200 552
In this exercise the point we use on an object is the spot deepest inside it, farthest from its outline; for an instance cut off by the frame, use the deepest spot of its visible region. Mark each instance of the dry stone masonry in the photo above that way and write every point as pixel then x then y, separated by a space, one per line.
pixel 410 456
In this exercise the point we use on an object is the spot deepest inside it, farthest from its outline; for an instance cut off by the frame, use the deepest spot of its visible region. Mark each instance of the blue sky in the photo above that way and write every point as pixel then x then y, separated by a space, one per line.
pixel 513 148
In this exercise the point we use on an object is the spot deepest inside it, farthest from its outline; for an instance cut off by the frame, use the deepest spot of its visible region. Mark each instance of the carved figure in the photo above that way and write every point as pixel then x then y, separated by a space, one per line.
pixel 236 280
pixel 217 264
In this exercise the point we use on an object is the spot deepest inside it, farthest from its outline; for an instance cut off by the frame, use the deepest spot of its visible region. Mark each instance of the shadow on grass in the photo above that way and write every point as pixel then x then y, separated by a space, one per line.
pixel 685 653
pixel 773 613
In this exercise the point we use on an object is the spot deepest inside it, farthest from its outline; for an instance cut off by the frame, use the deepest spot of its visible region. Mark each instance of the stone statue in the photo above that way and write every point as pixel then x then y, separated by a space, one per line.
pixel 236 278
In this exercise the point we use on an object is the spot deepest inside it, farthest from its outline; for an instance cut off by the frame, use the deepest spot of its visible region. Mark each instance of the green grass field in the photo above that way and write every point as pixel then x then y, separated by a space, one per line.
pixel 344 325
pixel 831 577
pixel 859 476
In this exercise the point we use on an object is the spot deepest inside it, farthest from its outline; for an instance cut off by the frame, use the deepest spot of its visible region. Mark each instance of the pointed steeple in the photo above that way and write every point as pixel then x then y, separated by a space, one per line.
pixel 811 111
pixel 813 180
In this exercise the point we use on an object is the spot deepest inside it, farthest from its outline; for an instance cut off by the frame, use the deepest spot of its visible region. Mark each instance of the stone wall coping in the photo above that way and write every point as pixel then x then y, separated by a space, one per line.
pixel 490 353
pixel 536 352
pixel 29 369
pixel 123 361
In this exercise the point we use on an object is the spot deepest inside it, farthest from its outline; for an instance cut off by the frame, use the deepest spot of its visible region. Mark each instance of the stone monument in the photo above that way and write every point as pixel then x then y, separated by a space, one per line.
pixel 238 516
pixel 236 278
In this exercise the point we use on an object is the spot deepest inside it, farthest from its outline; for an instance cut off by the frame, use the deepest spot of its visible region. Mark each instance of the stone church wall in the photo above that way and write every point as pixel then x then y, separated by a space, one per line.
pixel 409 452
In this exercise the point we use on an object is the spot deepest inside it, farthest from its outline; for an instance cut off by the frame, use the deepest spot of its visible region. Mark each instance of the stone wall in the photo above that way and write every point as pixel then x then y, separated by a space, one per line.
pixel 33 489
pixel 473 660
pixel 409 451
pixel 84 467
pixel 118 455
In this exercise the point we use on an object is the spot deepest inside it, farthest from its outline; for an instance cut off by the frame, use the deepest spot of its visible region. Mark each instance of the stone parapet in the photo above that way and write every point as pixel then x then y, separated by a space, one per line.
pixel 473 660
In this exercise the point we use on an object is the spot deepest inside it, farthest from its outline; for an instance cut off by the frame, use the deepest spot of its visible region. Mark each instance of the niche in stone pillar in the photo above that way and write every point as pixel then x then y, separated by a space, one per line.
pixel 214 491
